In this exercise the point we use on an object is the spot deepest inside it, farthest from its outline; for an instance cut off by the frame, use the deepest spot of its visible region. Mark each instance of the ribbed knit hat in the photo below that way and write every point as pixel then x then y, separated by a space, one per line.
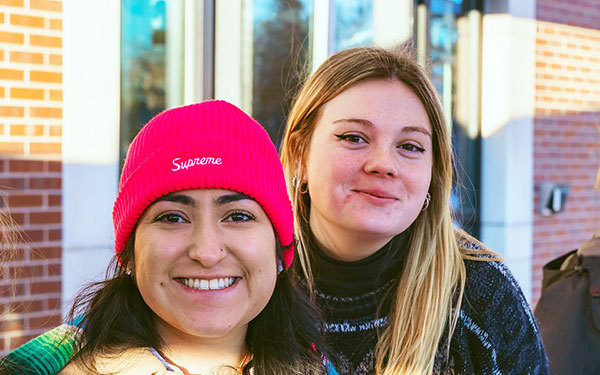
pixel 209 145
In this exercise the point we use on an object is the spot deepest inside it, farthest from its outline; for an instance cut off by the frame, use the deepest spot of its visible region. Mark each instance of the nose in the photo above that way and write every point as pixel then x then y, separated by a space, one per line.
pixel 381 161
pixel 205 245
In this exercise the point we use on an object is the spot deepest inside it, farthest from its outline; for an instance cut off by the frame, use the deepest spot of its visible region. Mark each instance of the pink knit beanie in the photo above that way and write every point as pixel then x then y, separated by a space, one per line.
pixel 202 146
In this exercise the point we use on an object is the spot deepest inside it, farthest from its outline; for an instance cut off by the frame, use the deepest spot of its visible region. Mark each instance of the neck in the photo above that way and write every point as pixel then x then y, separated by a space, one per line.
pixel 345 245
pixel 202 355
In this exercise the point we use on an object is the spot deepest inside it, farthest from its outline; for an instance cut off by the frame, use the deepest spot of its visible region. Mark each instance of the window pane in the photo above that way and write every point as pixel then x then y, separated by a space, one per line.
pixel 150 52
pixel 353 24
pixel 279 59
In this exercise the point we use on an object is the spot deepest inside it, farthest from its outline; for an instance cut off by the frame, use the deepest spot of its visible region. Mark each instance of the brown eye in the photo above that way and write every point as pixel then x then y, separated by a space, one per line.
pixel 239 217
pixel 352 138
pixel 171 218
pixel 412 148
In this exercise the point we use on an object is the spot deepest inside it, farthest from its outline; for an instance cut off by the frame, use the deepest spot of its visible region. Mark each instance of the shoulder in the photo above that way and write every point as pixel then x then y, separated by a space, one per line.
pixel 491 287
pixel 136 361
pixel 496 320
pixel 47 353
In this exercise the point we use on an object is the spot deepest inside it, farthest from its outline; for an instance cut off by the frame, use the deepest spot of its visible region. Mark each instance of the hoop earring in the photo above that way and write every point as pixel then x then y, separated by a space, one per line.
pixel 427 201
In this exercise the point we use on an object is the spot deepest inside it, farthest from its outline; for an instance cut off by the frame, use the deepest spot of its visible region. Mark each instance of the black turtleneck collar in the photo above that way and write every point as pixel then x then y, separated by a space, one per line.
pixel 347 279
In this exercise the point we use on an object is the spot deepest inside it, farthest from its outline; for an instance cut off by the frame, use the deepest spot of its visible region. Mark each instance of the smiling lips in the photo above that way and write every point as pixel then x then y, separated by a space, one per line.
pixel 380 194
pixel 208 284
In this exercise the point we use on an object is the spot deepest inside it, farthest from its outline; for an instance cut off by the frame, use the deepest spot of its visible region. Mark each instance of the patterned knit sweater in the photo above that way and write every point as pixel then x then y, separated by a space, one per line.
pixel 46 354
pixel 495 334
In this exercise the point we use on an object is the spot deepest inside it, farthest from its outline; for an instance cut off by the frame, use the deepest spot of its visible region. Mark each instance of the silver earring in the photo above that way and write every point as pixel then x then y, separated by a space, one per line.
pixel 427 201
pixel 295 180
pixel 279 268
pixel 128 271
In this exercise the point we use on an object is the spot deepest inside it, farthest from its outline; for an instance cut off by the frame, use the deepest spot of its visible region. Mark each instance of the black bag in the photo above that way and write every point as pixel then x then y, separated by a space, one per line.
pixel 568 311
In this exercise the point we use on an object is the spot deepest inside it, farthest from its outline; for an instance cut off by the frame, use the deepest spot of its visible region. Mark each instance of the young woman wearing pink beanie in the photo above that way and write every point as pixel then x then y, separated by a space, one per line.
pixel 203 241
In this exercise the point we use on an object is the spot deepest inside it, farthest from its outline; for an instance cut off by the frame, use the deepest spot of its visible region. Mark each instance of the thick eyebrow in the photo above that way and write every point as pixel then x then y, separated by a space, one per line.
pixel 406 129
pixel 178 198
pixel 189 201
pixel 233 197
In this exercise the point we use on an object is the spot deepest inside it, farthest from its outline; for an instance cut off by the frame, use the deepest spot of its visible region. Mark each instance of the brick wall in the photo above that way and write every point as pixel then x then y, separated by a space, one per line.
pixel 567 124
pixel 30 163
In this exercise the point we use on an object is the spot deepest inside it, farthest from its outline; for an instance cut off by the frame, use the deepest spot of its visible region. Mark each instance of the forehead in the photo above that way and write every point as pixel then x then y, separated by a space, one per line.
pixel 382 102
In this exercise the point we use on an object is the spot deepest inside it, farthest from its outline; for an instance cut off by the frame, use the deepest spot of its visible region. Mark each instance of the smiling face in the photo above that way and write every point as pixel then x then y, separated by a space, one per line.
pixel 368 168
pixel 205 263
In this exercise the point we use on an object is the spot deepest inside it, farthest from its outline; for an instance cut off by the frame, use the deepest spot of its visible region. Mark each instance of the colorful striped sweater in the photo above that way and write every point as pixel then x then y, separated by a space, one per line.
pixel 45 354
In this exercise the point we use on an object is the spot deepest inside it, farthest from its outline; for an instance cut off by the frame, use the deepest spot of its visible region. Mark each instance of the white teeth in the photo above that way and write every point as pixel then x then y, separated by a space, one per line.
pixel 213 284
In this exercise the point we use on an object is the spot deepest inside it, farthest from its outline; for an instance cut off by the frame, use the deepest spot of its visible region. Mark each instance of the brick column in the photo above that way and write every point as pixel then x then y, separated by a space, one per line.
pixel 30 164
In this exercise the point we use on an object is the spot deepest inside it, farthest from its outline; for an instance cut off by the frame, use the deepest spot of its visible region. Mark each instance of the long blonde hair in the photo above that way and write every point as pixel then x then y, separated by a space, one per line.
pixel 434 273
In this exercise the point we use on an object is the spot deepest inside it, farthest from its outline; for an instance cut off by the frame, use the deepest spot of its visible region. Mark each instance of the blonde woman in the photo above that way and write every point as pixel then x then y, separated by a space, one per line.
pixel 367 157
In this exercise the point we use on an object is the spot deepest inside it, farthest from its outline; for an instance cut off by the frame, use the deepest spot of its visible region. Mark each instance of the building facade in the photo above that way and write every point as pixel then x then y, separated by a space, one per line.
pixel 519 81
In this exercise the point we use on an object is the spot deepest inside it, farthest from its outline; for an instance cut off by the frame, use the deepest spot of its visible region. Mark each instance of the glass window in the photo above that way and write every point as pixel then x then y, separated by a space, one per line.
pixel 280 58
pixel 450 49
pixel 353 26
pixel 148 47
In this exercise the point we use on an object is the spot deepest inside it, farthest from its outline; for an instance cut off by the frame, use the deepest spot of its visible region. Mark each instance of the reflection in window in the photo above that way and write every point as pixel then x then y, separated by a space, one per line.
pixel 444 38
pixel 280 58
pixel 144 62
pixel 353 24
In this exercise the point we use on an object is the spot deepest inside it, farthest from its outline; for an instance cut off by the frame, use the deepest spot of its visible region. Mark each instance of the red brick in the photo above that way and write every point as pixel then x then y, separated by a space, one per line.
pixel 26 166
pixel 27 200
pixel 11 323
pixel 12 183
pixel 26 306
pixel 45 183
pixel 34 235
pixel 54 166
pixel 26 271
pixel 53 303
pixel 54 269
pixel 55 235
pixel 45 217
pixel 54 200
pixel 45 287
pixel 50 321
pixel 46 253
pixel 12 290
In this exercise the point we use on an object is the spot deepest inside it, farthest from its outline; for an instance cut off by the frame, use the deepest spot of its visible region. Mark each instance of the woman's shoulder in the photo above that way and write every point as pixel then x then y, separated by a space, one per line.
pixel 47 353
pixel 488 279
pixel 133 361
